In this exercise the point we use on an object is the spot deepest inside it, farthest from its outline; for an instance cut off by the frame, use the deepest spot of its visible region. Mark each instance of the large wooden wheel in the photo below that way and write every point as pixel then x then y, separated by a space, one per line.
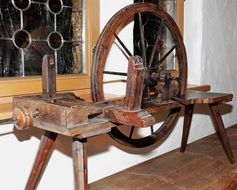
pixel 127 34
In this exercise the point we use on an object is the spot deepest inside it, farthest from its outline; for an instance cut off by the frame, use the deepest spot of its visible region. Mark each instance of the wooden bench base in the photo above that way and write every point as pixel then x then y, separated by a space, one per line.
pixel 79 156
pixel 213 100
pixel 79 144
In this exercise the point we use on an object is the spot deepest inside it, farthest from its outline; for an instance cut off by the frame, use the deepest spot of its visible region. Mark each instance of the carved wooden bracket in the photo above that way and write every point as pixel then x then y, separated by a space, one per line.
pixel 135 81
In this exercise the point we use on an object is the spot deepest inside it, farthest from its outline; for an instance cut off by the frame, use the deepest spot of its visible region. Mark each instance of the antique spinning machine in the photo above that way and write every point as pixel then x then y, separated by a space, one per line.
pixel 155 93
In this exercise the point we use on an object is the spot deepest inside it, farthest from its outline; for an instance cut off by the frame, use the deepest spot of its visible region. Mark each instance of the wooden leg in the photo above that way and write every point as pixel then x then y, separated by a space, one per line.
pixel 80 164
pixel 44 151
pixel 188 114
pixel 220 129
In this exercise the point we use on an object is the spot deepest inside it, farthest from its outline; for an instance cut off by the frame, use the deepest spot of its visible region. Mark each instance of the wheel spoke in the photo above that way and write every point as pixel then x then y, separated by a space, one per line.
pixel 152 129
pixel 167 54
pixel 123 52
pixel 142 39
pixel 156 43
pixel 123 45
pixel 115 73
pixel 115 81
pixel 148 92
pixel 131 132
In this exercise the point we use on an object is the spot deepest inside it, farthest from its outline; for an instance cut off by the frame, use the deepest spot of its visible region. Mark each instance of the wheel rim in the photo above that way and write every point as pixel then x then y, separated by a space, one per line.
pixel 111 33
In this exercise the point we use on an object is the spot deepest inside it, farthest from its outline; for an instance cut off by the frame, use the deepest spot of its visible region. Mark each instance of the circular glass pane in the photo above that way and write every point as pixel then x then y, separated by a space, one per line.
pixel 21 39
pixel 55 6
pixel 55 40
pixel 21 4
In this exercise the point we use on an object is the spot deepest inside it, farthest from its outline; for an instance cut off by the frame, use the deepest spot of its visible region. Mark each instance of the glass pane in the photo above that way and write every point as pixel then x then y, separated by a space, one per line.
pixel 9 64
pixel 41 1
pixel 169 6
pixel 167 41
pixel 33 57
pixel 151 26
pixel 30 29
pixel 9 19
pixel 39 25
pixel 65 23
pixel 68 2
pixel 64 57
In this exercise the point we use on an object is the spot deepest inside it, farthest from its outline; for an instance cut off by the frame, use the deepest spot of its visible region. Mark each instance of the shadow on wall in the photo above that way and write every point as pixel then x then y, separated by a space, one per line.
pixel 204 109
pixel 63 143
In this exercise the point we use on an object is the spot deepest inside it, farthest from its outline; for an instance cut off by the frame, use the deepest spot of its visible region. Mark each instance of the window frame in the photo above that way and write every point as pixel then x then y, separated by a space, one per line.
pixel 79 84
pixel 180 14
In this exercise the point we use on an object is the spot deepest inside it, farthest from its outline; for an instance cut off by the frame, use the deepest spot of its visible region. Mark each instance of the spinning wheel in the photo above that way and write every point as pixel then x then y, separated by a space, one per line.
pixel 162 81
pixel 156 86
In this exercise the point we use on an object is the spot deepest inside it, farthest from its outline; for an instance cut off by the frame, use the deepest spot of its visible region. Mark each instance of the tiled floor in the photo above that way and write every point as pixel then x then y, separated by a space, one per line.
pixel 204 166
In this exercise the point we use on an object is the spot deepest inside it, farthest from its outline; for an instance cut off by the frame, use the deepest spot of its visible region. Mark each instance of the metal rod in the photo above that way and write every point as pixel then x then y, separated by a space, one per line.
pixel 156 43
pixel 115 81
pixel 152 129
pixel 115 73
pixel 122 44
pixel 148 92
pixel 167 54
pixel 131 132
pixel 122 50
pixel 142 40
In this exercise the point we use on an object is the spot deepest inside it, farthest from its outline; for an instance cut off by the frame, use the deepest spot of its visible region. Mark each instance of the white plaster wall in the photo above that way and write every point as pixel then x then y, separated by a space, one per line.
pixel 219 58
pixel 210 39
pixel 193 38
pixel 211 56
pixel 211 48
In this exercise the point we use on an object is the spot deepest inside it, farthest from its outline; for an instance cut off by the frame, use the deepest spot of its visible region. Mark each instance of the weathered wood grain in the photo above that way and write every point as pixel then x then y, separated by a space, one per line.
pixel 79 156
pixel 42 157
pixel 135 83
pixel 213 100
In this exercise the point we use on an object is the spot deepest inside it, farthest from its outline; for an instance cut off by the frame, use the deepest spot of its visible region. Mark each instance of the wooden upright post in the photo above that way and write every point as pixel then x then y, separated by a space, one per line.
pixel 49 138
pixel 135 81
pixel 48 75
pixel 80 164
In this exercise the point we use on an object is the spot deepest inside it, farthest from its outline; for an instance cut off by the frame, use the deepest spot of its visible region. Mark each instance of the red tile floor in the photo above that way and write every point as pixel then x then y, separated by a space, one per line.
pixel 204 166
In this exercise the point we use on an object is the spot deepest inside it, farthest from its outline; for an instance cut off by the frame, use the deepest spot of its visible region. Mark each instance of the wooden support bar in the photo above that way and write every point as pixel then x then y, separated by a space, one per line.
pixel 44 152
pixel 80 164
pixel 213 100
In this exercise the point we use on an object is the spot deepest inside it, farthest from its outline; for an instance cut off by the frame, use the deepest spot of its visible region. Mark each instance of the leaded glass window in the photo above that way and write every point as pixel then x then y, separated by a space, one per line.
pixel 29 29
pixel 150 29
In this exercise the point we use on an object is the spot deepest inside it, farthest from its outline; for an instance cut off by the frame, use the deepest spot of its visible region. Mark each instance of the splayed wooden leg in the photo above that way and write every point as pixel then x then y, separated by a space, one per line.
pixel 44 152
pixel 186 127
pixel 220 129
